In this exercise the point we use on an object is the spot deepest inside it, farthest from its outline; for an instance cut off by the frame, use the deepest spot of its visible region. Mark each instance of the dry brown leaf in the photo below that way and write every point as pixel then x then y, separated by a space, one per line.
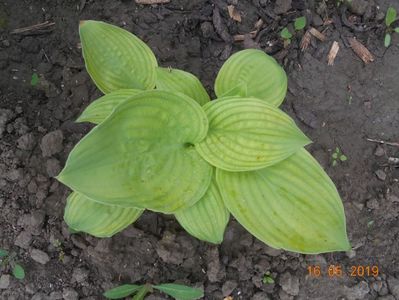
pixel 305 40
pixel 152 1
pixel 39 26
pixel 234 14
pixel 361 51
pixel 228 298
pixel 333 53
pixel 317 34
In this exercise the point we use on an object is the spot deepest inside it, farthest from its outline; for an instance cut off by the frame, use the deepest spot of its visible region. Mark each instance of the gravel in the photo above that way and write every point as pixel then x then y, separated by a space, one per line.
pixel 39 256
pixel 52 143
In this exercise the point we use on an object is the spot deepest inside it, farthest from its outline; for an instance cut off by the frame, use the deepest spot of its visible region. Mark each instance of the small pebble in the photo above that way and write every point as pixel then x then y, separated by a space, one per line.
pixel 381 175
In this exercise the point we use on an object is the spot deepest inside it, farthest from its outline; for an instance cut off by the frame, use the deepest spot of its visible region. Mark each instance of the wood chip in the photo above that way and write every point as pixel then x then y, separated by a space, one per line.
pixel 258 24
pixel 333 53
pixel 234 13
pixel 241 37
pixel 152 1
pixel 361 50
pixel 39 26
pixel 317 34
pixel 305 40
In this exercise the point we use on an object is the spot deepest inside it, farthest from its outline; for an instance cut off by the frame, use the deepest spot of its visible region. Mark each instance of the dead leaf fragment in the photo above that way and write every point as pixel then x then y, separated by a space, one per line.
pixel 317 34
pixel 305 41
pixel 361 51
pixel 241 37
pixel 234 13
pixel 258 24
pixel 333 53
pixel 228 298
pixel 152 1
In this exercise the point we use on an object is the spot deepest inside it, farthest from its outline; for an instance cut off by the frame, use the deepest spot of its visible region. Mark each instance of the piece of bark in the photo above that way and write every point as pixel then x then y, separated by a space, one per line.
pixel 152 1
pixel 305 40
pixel 333 53
pixel 317 34
pixel 220 27
pixel 258 24
pixel 361 50
pixel 234 13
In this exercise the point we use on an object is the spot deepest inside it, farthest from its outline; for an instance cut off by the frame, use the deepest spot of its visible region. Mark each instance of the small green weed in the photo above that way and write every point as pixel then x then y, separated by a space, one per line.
pixel 267 278
pixel 8 262
pixel 299 24
pixel 338 156
pixel 177 291
pixel 390 18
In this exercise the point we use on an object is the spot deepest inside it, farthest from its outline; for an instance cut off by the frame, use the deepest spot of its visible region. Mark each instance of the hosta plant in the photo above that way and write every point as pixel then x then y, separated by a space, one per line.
pixel 160 144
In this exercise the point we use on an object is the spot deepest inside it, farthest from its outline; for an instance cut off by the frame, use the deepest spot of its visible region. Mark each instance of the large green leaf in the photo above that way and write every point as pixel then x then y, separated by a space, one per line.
pixel 142 155
pixel 207 219
pixel 175 80
pixel 115 58
pixel 263 77
pixel 101 108
pixel 248 134
pixel 292 205
pixel 85 215
pixel 180 292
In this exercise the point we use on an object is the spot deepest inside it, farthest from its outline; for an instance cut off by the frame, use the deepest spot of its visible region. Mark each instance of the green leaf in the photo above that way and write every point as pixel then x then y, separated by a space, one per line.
pixel 122 291
pixel 343 158
pixel 144 290
pixel 334 163
pixel 142 155
pixel 300 23
pixel 101 108
pixel 97 219
pixel 387 40
pixel 248 134
pixel 286 34
pixel 292 205
pixel 175 80
pixel 240 90
pixel 335 155
pixel 396 29
pixel 180 292
pixel 34 80
pixel 390 16
pixel 3 253
pixel 18 271
pixel 207 219
pixel 255 72
pixel 115 58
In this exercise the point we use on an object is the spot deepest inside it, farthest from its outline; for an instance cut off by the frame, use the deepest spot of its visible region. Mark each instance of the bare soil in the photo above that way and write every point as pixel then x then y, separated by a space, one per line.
pixel 337 106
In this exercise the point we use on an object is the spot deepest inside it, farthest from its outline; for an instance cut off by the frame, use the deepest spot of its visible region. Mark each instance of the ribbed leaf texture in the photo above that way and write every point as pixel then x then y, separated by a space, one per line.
pixel 248 134
pixel 292 205
pixel 85 215
pixel 142 155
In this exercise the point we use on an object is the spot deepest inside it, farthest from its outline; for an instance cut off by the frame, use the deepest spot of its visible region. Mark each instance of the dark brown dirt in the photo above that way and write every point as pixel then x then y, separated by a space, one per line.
pixel 337 106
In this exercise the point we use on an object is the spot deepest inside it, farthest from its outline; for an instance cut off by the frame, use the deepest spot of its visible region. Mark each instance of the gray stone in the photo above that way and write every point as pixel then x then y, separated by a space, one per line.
pixel 388 297
pixel 381 175
pixel 39 256
pixel 70 294
pixel 358 6
pixel 393 284
pixel 357 292
pixel 52 143
pixel 282 6
pixel 79 275
pixel 289 283
pixel 5 116
pixel 53 167
pixel 372 204
pixel 26 142
pixel 260 296
pixel 40 296
pixel 379 151
pixel 56 295
pixel 228 287
pixel 15 175
pixel 23 240
pixel 4 282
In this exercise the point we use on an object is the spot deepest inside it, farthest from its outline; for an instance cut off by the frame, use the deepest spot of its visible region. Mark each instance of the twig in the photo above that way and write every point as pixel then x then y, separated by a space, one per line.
pixel 361 50
pixel 333 53
pixel 152 1
pixel 305 41
pixel 383 142
pixel 39 26
pixel 241 37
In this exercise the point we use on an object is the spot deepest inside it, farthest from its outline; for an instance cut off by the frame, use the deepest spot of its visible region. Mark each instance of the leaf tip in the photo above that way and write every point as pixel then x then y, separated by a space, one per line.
pixel 82 22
